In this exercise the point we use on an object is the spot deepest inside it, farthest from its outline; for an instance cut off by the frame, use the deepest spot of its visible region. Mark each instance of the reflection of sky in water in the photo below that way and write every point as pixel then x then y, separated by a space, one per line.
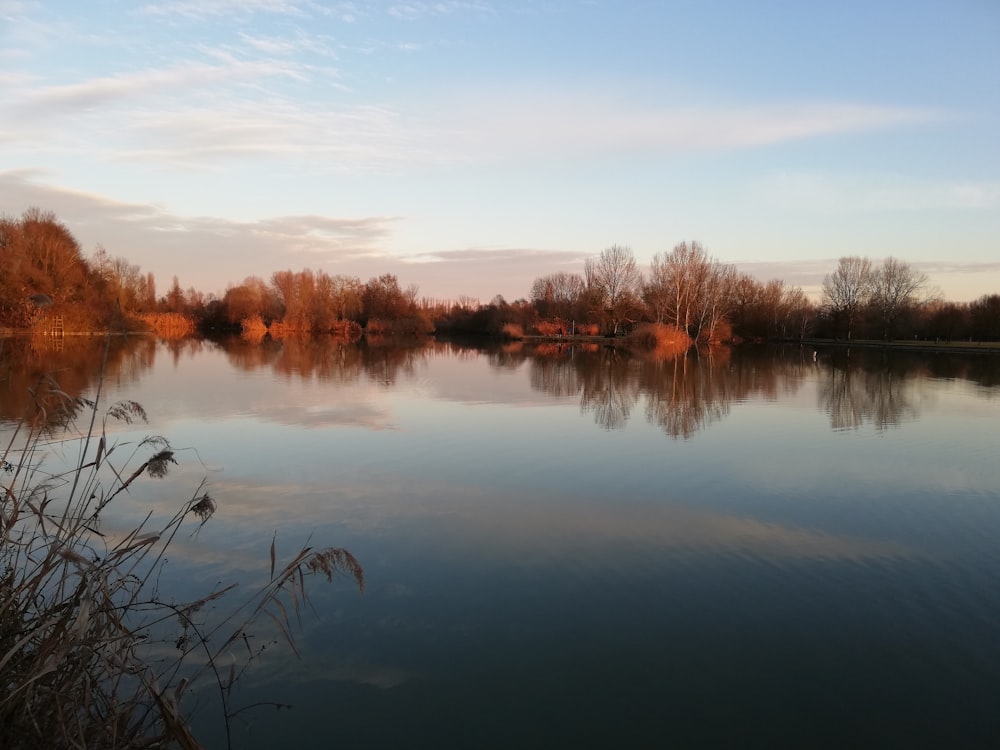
pixel 538 580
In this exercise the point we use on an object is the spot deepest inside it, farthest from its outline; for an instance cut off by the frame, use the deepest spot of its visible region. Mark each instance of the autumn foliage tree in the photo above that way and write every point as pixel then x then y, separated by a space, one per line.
pixel 252 298
pixel 383 299
pixel 314 300
pixel 44 274
pixel 134 291
pixel 45 278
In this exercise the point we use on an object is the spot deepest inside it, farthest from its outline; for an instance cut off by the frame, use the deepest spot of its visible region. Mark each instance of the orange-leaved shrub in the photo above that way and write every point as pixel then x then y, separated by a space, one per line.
pixel 551 328
pixel 650 336
pixel 254 325
pixel 169 325
pixel 512 331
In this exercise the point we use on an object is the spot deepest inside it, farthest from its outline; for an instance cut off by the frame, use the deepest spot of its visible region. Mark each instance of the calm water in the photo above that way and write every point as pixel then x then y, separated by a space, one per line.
pixel 578 548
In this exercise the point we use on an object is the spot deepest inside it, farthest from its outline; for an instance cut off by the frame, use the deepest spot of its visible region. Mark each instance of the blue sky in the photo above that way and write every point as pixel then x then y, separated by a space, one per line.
pixel 472 146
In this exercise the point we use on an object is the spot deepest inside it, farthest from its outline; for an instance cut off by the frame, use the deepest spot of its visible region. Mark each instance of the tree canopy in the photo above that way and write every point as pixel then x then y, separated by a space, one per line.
pixel 45 274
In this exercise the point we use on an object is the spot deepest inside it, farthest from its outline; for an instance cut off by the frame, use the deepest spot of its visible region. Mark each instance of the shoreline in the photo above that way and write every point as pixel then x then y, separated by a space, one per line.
pixel 934 347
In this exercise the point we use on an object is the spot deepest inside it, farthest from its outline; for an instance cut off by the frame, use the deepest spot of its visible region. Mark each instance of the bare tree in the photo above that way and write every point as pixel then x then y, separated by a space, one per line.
pixel 714 299
pixel 690 289
pixel 558 295
pixel 616 281
pixel 797 313
pixel 984 314
pixel 848 289
pixel 894 289
pixel 745 298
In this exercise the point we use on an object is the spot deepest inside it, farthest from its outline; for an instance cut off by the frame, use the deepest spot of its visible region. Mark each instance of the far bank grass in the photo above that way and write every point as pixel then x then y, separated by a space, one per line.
pixel 958 347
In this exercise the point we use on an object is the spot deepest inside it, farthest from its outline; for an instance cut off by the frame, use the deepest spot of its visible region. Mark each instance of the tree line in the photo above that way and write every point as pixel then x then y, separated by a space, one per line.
pixel 685 289
pixel 709 301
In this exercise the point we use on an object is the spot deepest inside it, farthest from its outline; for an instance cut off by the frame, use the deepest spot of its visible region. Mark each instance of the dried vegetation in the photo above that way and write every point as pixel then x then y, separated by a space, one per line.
pixel 92 655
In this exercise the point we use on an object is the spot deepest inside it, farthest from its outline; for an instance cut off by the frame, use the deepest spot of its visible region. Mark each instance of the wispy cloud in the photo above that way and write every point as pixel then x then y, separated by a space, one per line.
pixel 219 250
pixel 195 114
pixel 349 238
pixel 362 138
pixel 874 192
pixel 804 273
pixel 957 267
pixel 559 123
pixel 202 9
pixel 270 45
pixel 213 10
pixel 486 272
pixel 106 90
pixel 498 256
pixel 296 44
pixel 415 10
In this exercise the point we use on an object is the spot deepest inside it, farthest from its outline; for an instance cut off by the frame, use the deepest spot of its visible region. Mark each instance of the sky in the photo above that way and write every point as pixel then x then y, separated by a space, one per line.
pixel 472 146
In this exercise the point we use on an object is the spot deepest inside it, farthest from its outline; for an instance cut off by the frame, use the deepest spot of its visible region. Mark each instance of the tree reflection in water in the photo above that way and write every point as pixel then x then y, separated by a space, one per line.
pixel 869 389
pixel 610 389
pixel 71 365
pixel 682 392
pixel 327 358
pixel 686 394
pixel 685 391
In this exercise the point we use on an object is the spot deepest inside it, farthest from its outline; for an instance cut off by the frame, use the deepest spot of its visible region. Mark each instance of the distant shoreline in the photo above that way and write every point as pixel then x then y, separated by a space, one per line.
pixel 953 347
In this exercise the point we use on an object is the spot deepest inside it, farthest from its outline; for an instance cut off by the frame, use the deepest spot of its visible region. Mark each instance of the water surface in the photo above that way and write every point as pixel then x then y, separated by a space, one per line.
pixel 575 547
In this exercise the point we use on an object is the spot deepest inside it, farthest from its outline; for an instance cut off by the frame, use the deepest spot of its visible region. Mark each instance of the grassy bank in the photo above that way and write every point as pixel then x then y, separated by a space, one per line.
pixel 957 347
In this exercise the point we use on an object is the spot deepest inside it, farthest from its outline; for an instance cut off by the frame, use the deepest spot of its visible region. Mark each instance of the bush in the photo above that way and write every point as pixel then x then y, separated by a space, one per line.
pixel 254 326
pixel 169 325
pixel 347 330
pixel 658 336
pixel 512 331
pixel 551 328
pixel 79 608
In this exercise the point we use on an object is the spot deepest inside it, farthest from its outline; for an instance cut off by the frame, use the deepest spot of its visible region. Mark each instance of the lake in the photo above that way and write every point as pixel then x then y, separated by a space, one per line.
pixel 571 546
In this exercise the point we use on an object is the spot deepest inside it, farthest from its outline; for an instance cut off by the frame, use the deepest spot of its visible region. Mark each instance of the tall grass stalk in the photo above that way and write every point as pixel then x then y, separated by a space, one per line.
pixel 83 624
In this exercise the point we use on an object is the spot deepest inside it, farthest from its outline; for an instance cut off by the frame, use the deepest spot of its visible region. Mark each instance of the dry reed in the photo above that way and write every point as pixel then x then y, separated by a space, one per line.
pixel 659 337
pixel 80 609
pixel 512 331
pixel 169 325
pixel 253 327
pixel 551 328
